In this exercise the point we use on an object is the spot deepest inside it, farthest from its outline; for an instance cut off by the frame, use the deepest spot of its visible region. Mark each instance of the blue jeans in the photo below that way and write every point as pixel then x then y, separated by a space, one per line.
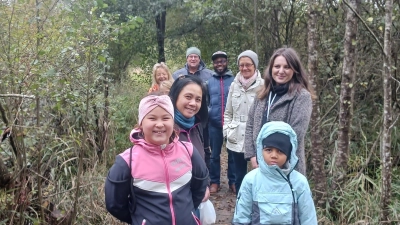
pixel 240 168
pixel 216 141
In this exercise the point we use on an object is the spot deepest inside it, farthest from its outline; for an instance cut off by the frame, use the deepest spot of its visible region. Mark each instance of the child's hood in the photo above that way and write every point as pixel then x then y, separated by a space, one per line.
pixel 270 128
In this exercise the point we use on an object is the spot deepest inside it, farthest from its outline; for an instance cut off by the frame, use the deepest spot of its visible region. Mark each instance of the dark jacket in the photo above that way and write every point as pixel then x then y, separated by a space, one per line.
pixel 218 89
pixel 202 72
pixel 168 183
pixel 193 135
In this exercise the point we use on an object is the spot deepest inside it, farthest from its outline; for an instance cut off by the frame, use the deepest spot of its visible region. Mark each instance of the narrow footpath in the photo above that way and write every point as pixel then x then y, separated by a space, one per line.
pixel 224 201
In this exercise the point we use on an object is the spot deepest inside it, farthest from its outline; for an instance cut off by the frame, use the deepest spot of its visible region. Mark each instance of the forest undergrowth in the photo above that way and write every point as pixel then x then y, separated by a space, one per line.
pixel 356 201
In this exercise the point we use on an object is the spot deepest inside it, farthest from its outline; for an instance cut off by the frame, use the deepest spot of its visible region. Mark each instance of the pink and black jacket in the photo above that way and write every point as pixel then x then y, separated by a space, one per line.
pixel 168 184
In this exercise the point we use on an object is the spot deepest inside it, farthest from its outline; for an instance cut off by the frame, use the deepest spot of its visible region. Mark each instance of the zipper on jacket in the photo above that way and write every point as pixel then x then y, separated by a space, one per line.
pixel 188 132
pixel 287 179
pixel 221 85
pixel 171 206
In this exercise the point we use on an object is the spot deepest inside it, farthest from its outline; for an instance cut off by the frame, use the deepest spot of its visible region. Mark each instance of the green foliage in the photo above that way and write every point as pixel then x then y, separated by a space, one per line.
pixel 124 107
pixel 61 58
pixel 68 53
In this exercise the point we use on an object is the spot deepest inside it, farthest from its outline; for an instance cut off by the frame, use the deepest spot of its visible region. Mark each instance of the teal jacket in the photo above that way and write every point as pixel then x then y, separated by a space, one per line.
pixel 266 196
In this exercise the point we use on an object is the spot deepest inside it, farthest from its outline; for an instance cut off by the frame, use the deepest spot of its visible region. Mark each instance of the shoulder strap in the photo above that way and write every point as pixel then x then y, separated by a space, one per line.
pixel 186 149
pixel 132 199
pixel 200 132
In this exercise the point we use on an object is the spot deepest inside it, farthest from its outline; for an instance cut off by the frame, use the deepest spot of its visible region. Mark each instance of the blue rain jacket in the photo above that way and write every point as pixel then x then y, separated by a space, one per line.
pixel 265 196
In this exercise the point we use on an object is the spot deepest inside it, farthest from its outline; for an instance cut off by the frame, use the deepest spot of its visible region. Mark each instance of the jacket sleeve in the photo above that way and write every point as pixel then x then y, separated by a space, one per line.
pixel 249 148
pixel 307 213
pixel 301 114
pixel 228 114
pixel 177 73
pixel 206 137
pixel 199 180
pixel 206 144
pixel 117 190
pixel 299 119
pixel 206 87
pixel 243 209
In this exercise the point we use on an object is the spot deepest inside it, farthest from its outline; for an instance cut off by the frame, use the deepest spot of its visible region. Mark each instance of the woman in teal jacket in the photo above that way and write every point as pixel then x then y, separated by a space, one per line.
pixel 274 193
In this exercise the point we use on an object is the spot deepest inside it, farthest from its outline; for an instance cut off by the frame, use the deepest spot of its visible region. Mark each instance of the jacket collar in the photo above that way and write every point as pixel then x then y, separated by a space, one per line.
pixel 227 73
pixel 254 85
pixel 284 98
pixel 202 66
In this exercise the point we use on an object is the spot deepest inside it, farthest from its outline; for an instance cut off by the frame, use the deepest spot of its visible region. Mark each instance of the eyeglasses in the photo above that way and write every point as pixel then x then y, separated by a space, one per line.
pixel 245 65
pixel 219 62
pixel 193 56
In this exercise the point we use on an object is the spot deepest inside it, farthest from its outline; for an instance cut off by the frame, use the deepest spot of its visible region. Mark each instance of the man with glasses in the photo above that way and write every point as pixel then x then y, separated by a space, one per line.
pixel 194 66
pixel 218 88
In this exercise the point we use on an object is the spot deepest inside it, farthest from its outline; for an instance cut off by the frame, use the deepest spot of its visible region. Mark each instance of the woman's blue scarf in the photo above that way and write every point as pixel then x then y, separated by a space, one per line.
pixel 183 121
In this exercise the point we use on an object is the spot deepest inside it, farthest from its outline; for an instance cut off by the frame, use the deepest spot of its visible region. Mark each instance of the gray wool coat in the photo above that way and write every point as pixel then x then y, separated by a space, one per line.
pixel 294 109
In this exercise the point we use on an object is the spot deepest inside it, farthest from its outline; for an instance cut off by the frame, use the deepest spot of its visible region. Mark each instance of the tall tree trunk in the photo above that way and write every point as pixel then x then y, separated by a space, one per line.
pixel 289 24
pixel 160 25
pixel 255 26
pixel 318 158
pixel 387 117
pixel 346 96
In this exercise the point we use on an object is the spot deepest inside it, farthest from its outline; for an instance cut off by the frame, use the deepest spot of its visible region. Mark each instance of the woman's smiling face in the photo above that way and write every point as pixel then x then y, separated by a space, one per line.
pixel 189 100
pixel 246 67
pixel 161 75
pixel 281 71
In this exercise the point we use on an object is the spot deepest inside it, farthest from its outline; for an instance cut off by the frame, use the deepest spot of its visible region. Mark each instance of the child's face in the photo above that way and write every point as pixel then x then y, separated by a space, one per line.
pixel 273 156
pixel 157 126
pixel 161 75
pixel 164 88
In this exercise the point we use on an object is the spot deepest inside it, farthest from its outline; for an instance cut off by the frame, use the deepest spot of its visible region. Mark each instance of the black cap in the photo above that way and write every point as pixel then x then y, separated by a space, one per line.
pixel 219 54
pixel 279 141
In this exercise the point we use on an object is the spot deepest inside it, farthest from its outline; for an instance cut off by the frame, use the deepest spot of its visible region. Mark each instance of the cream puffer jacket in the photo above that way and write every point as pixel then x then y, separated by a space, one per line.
pixel 236 111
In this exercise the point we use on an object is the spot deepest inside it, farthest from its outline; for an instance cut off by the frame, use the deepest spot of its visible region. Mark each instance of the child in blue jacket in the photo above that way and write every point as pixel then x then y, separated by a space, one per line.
pixel 275 193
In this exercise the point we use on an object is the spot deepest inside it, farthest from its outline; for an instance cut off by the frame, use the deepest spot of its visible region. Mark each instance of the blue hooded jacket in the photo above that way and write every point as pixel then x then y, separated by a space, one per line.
pixel 269 194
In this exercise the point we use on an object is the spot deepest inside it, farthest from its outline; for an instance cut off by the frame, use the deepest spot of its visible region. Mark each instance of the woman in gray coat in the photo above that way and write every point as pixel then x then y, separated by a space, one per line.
pixel 285 96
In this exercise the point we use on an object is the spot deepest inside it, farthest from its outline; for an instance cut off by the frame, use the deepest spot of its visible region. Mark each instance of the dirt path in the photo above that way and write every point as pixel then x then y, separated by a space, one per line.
pixel 224 201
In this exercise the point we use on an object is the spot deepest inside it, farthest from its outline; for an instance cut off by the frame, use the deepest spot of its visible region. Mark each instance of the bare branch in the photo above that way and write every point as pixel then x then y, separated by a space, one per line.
pixel 394 122
pixel 18 96
pixel 395 79
pixel 365 25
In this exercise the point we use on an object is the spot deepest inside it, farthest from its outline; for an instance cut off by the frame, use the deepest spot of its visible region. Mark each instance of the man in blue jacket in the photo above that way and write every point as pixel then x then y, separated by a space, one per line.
pixel 218 88
pixel 194 66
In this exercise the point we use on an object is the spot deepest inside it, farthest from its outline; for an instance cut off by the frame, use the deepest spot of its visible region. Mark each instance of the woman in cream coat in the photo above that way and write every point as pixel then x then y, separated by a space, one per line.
pixel 240 98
